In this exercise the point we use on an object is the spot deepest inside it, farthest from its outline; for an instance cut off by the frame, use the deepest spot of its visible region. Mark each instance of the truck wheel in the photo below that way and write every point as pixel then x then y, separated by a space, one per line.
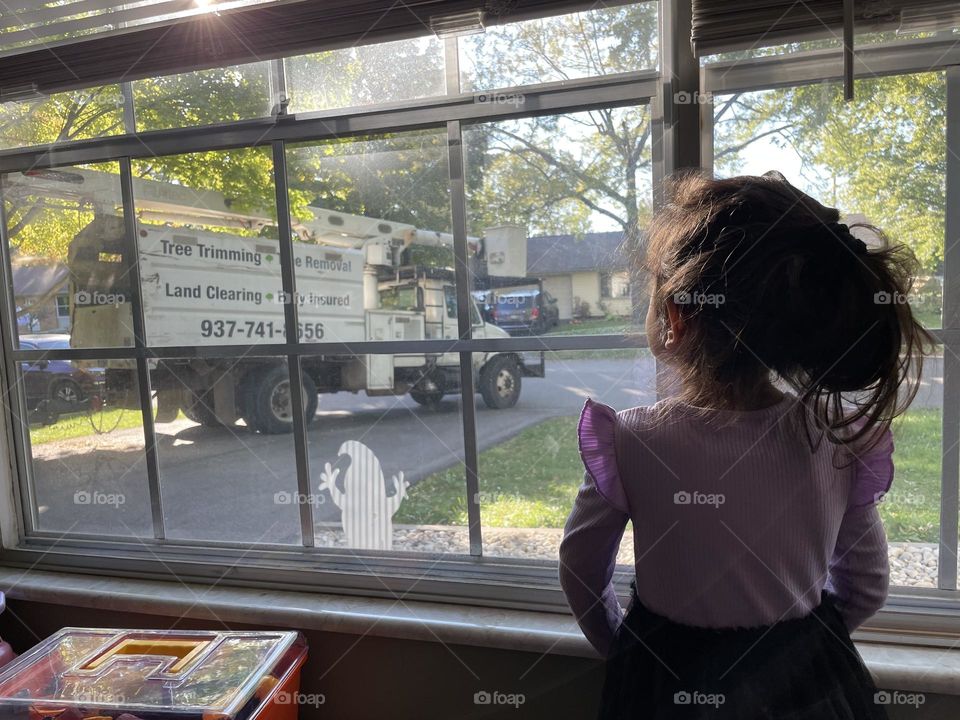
pixel 200 410
pixel 271 402
pixel 427 399
pixel 500 383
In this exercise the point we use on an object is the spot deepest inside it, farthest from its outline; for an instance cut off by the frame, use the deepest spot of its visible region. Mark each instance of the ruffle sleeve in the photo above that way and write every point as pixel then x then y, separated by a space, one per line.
pixel 873 473
pixel 596 434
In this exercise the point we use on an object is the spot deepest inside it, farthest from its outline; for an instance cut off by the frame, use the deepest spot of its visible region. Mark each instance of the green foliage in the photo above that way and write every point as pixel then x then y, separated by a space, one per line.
pixel 882 155
pixel 75 115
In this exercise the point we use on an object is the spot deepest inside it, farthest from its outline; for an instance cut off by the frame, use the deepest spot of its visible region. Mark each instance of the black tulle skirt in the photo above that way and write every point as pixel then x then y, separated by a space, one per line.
pixel 802 669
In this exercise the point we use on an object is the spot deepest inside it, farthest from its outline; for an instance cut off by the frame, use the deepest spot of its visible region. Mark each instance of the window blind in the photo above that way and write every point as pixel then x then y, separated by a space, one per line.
pixel 47 47
pixel 724 26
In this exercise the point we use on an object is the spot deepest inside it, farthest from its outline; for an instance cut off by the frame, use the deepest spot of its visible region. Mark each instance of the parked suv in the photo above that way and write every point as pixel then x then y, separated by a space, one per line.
pixel 55 387
pixel 522 312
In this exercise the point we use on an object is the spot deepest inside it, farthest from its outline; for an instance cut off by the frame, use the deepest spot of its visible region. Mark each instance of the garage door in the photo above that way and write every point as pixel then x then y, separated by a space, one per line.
pixel 561 287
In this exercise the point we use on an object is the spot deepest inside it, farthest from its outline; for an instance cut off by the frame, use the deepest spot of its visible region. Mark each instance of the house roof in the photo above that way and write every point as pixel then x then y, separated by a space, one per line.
pixel 575 253
pixel 37 277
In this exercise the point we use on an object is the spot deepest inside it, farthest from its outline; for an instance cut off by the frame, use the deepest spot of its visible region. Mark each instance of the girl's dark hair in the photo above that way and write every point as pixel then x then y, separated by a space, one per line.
pixel 769 284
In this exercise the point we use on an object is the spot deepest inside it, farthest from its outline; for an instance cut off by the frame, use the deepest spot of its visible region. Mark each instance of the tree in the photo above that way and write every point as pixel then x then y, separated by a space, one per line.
pixel 882 155
pixel 562 174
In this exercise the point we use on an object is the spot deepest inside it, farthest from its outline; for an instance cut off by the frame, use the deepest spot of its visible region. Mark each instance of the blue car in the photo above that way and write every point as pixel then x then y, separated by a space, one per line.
pixel 56 387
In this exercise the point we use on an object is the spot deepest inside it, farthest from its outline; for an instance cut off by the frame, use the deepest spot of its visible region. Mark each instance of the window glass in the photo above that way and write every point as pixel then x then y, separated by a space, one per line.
pixel 204 97
pixel 83 430
pixel 373 247
pixel 911 510
pixel 226 457
pixel 208 248
pixel 74 115
pixel 530 468
pixel 555 216
pixel 600 41
pixel 366 75
pixel 881 159
pixel 65 231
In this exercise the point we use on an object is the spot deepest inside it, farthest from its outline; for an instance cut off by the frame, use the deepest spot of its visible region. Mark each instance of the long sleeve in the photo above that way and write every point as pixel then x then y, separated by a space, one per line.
pixel 860 566
pixel 588 555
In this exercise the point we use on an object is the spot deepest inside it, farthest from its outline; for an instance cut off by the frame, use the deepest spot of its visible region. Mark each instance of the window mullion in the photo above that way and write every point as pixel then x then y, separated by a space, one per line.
pixel 458 203
pixel 950 468
pixel 292 323
pixel 132 270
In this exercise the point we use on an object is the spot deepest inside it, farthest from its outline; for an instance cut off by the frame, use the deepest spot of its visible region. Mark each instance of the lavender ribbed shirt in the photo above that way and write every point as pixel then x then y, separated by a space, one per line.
pixel 737 522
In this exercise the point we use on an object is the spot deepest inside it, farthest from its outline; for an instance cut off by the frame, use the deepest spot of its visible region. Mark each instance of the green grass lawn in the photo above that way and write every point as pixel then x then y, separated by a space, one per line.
pixel 911 511
pixel 531 480
pixel 595 327
pixel 79 425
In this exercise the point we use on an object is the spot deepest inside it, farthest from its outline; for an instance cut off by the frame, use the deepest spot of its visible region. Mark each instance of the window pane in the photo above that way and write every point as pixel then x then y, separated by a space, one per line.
pixel 209 254
pixel 74 115
pixel 371 450
pixel 600 41
pixel 66 234
pixel 556 218
pixel 223 452
pixel 911 510
pixel 366 75
pixel 530 467
pixel 881 158
pixel 205 97
pixel 85 446
pixel 374 249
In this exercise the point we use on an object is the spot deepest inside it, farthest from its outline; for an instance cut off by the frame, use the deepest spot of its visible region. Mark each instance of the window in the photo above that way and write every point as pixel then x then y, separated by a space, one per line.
pixel 882 159
pixel 241 345
pixel 600 41
pixel 581 204
pixel 366 75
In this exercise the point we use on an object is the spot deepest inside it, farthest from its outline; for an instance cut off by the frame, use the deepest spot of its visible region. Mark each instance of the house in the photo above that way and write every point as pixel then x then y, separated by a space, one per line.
pixel 40 293
pixel 587 274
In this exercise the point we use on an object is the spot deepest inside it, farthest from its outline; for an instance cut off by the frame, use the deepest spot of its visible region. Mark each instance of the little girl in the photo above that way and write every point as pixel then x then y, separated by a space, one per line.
pixel 756 535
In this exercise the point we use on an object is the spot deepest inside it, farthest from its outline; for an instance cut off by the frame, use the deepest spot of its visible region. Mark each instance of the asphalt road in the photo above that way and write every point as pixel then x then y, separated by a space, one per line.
pixel 230 484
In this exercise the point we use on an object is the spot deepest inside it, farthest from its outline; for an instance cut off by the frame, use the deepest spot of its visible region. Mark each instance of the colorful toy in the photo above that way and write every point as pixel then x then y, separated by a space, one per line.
pixel 94 674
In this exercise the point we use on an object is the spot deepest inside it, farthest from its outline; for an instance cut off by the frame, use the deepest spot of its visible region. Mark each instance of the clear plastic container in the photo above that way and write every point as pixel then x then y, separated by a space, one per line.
pixel 86 674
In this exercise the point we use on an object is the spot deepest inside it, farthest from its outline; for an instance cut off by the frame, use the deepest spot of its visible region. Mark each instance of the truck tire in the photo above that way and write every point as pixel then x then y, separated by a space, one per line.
pixel 500 382
pixel 200 410
pixel 428 399
pixel 270 401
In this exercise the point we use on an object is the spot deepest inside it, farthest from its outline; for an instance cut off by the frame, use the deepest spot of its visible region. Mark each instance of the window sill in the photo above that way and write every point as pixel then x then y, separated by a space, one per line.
pixel 894 666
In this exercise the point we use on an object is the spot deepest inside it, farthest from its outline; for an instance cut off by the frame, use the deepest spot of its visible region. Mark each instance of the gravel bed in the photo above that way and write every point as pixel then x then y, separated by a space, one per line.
pixel 911 564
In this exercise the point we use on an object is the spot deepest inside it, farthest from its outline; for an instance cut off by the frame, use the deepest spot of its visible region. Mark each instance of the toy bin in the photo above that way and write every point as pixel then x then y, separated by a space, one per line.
pixel 96 674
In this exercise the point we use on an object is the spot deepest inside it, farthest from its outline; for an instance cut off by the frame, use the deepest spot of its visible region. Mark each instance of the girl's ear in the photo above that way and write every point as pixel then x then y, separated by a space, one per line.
pixel 675 325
